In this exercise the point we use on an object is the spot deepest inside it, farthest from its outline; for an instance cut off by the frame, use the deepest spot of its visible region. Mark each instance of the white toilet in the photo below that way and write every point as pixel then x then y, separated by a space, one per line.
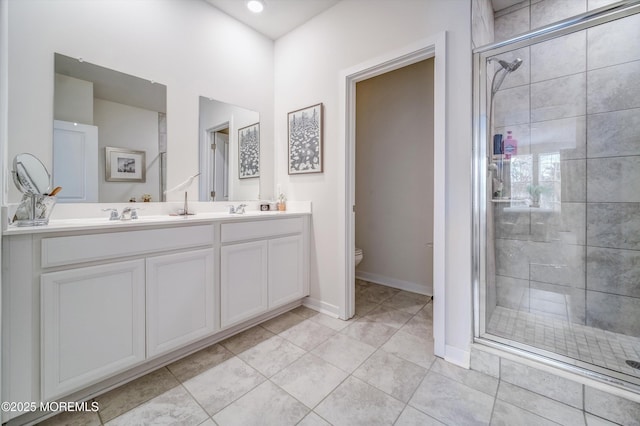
pixel 358 256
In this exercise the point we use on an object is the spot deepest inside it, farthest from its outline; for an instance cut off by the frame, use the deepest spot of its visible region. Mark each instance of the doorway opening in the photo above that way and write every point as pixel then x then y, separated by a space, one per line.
pixel 216 176
pixel 394 191
pixel 431 48
pixel 394 178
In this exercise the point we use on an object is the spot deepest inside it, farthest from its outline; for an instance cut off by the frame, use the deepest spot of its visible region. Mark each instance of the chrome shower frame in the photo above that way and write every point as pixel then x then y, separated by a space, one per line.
pixel 480 165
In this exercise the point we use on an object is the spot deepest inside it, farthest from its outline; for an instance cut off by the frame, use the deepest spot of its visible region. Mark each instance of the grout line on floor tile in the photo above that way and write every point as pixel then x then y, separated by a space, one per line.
pixel 209 416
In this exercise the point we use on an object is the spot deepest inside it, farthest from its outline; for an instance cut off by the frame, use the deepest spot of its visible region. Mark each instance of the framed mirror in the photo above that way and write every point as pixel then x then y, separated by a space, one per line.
pixel 229 149
pixel 98 111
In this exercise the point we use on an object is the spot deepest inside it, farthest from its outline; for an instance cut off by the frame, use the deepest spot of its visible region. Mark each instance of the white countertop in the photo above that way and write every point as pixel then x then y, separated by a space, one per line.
pixel 154 214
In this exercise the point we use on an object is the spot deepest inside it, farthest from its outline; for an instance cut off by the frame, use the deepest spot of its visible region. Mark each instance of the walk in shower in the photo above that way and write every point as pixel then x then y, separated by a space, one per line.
pixel 557 193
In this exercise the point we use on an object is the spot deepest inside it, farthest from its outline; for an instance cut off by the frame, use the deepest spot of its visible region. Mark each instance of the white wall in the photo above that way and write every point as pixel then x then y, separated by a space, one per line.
pixel 178 43
pixel 307 65
pixel 125 126
pixel 73 100
pixel 394 177
pixel 4 43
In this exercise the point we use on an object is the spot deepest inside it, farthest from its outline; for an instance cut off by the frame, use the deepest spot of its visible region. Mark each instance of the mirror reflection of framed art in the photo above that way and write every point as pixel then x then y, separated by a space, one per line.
pixel 124 165
pixel 249 151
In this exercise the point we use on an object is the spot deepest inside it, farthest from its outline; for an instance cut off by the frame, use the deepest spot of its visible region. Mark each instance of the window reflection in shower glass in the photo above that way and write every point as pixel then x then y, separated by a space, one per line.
pixel 536 180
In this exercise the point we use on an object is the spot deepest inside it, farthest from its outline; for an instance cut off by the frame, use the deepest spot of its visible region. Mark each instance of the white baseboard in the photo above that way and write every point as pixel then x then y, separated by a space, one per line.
pixel 457 356
pixel 395 283
pixel 322 307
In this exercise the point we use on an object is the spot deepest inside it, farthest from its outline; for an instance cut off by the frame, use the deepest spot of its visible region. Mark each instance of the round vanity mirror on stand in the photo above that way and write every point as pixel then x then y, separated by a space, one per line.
pixel 34 181
pixel 30 175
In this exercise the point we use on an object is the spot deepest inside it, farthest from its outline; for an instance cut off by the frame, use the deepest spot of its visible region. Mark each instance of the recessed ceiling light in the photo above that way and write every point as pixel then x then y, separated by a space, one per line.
pixel 256 6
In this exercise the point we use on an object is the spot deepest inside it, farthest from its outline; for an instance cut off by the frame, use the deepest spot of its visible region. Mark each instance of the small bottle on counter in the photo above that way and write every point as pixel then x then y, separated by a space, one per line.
pixel 282 203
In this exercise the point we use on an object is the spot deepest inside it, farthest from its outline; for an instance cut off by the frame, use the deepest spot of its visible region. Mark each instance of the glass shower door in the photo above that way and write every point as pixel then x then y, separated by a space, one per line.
pixel 559 183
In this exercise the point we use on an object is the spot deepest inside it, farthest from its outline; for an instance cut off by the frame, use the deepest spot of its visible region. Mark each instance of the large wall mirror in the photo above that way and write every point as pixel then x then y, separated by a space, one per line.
pixel 229 148
pixel 109 138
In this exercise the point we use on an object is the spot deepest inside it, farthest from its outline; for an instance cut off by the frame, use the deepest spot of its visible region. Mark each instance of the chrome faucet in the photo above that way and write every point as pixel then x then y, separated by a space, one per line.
pixel 127 213
pixel 237 210
pixel 113 215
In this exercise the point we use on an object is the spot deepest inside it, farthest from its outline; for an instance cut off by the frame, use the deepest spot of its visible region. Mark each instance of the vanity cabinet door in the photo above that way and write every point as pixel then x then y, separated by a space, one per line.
pixel 93 324
pixel 243 281
pixel 286 282
pixel 180 299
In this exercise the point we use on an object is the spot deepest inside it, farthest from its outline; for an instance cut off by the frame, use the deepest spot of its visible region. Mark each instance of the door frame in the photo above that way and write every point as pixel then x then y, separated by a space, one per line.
pixel 90 164
pixel 220 138
pixel 433 47
pixel 204 190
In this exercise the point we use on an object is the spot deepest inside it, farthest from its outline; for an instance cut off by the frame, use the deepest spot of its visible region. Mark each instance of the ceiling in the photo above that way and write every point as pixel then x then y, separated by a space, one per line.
pixel 278 17
pixel 281 16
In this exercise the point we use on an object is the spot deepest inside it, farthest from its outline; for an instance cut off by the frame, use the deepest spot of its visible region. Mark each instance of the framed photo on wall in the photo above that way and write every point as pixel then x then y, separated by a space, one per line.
pixel 249 151
pixel 305 140
pixel 124 165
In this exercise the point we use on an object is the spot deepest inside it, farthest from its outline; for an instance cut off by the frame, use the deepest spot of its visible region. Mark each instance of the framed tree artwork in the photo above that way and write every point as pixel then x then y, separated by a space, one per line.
pixel 249 151
pixel 305 140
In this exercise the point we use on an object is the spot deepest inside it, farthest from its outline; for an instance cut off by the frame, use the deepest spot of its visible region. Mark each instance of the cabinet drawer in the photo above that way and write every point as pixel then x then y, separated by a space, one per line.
pixel 58 251
pixel 259 229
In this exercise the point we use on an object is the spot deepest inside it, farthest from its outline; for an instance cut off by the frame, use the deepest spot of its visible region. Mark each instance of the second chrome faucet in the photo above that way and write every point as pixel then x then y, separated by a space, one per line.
pixel 237 210
pixel 128 213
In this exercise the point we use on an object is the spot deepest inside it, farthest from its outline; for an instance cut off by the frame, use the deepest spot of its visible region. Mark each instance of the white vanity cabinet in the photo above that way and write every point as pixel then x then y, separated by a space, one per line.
pixel 86 306
pixel 262 267
pixel 180 299
pixel 286 266
pixel 92 324
pixel 87 309
pixel 243 281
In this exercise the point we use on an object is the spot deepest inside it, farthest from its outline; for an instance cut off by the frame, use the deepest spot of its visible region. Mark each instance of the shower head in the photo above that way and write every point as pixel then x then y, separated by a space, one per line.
pixel 510 66
pixel 506 68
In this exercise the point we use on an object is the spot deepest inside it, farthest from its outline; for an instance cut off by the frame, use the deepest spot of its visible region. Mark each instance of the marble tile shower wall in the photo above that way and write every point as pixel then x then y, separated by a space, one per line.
pixel 481 23
pixel 578 95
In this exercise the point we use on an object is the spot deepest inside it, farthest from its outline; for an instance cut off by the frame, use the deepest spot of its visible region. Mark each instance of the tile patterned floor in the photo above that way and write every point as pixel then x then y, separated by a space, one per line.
pixel 309 369
pixel 602 348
